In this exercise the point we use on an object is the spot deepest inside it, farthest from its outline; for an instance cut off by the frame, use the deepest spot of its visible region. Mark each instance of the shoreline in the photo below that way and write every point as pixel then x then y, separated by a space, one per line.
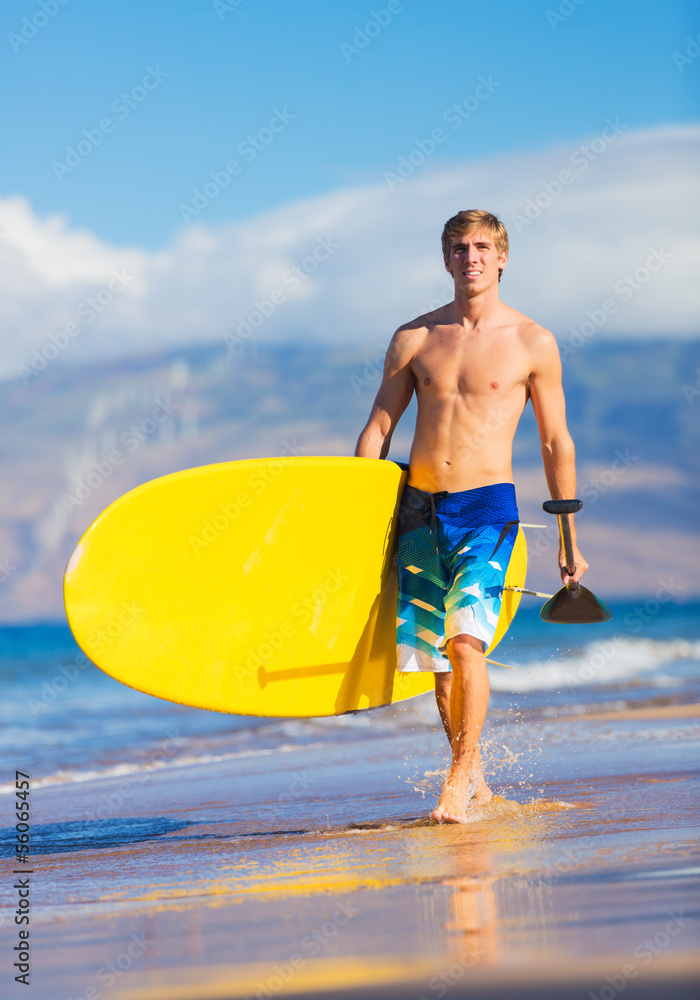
pixel 691 710
pixel 322 865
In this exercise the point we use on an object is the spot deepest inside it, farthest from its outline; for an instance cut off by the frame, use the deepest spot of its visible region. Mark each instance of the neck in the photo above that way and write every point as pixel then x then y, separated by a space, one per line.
pixel 476 310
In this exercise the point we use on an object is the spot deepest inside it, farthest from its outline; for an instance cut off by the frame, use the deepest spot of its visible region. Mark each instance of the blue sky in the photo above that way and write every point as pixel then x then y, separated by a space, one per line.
pixel 355 113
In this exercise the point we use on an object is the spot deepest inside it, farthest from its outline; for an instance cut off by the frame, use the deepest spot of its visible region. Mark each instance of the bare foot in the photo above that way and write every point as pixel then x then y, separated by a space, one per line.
pixel 459 787
pixel 481 793
pixel 450 808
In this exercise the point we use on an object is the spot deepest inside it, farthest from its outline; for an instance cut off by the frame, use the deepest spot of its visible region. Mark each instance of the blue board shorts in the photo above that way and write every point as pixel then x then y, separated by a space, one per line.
pixel 453 553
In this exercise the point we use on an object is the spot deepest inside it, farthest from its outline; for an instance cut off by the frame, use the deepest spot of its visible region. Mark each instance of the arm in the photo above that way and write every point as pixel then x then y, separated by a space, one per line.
pixel 558 454
pixel 392 399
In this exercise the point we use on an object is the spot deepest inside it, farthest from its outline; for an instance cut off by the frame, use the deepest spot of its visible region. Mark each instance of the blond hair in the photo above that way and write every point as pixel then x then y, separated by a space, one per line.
pixel 470 220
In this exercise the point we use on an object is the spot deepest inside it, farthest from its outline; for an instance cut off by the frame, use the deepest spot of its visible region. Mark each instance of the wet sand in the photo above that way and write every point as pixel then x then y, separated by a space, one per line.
pixel 314 871
pixel 691 711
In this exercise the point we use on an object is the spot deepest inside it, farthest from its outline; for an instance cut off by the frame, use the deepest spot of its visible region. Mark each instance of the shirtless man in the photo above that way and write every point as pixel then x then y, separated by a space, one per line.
pixel 473 365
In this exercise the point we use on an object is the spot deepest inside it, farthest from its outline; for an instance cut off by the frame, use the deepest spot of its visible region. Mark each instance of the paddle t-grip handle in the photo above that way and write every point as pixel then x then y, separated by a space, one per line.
pixel 563 508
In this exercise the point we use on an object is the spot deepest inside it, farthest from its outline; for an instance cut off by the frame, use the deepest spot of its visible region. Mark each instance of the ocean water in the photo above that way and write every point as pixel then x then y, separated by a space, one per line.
pixel 224 843
pixel 64 721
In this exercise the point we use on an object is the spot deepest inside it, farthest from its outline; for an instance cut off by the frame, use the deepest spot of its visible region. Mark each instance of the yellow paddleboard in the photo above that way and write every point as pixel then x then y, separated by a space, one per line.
pixel 261 587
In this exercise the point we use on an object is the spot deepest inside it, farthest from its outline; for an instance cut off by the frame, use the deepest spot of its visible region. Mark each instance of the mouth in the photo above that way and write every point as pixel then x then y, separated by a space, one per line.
pixel 471 274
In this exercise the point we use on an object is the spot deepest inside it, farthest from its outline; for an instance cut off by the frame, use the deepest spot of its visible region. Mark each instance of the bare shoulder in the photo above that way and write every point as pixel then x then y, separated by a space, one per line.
pixel 539 342
pixel 407 340
pixel 422 324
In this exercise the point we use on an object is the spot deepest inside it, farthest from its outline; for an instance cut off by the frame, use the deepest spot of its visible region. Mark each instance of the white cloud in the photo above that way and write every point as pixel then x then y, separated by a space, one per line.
pixel 628 195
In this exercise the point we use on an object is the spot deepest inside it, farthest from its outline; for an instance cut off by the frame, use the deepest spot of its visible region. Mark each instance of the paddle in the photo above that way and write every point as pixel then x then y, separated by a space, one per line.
pixel 574 604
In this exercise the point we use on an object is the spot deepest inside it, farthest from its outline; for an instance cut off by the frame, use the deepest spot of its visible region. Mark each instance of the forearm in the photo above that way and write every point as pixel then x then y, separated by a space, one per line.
pixel 372 443
pixel 559 459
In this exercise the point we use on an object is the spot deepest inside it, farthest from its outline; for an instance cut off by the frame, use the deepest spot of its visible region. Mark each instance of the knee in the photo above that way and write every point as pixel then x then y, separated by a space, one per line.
pixel 467 653
pixel 466 647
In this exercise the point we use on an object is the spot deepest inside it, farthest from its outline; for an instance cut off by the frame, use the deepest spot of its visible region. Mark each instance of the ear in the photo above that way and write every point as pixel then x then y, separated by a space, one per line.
pixel 447 265
pixel 503 259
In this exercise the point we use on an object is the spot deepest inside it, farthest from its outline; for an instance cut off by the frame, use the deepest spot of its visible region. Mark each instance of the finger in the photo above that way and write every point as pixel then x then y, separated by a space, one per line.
pixel 579 570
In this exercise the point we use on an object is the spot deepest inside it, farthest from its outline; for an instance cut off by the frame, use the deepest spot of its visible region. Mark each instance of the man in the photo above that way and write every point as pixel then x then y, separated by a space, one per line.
pixel 473 365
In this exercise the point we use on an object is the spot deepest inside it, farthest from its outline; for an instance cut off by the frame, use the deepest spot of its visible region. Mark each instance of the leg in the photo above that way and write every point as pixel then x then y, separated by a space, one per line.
pixel 468 703
pixel 443 688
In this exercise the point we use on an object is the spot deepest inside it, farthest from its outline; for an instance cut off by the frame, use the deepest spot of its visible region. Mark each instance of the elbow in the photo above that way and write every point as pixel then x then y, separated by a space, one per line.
pixel 373 441
pixel 560 445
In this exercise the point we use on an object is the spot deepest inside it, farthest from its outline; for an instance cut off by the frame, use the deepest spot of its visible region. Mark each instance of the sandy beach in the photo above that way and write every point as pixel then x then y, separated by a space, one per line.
pixel 311 870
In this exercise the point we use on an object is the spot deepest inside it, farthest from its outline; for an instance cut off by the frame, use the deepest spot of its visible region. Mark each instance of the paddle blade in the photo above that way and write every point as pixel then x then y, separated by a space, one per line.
pixel 575 607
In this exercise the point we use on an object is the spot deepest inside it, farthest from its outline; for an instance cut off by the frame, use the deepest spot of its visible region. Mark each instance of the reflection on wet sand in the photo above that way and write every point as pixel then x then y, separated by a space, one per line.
pixel 228 886
pixel 471 928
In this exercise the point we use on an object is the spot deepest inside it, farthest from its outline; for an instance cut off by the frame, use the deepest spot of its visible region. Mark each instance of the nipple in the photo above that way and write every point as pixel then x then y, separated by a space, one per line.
pixel 426 381
pixel 494 385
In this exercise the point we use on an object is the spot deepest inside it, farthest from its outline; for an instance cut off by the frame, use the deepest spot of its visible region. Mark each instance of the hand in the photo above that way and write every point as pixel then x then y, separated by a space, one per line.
pixel 580 565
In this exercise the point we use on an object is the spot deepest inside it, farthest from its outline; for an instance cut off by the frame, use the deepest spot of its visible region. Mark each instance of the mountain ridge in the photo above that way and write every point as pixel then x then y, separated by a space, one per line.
pixel 76 438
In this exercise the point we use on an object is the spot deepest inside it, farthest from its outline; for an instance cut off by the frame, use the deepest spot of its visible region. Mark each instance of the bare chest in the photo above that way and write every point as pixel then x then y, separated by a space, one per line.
pixel 482 367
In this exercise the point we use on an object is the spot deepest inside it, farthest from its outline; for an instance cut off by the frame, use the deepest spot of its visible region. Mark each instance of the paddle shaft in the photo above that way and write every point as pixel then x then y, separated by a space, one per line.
pixel 574 604
pixel 567 542
pixel 564 509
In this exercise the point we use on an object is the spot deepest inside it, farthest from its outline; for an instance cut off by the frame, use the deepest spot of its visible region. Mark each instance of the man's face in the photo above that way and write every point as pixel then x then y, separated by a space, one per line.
pixel 474 261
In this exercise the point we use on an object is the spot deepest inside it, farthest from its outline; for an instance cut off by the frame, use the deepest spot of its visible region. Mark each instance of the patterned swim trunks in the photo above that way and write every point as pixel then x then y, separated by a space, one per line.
pixel 453 553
